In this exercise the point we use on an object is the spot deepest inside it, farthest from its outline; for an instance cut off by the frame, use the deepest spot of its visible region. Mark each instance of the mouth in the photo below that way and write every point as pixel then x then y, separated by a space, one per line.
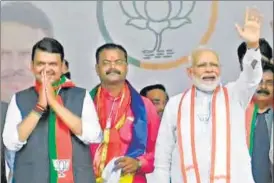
pixel 209 78
pixel 113 74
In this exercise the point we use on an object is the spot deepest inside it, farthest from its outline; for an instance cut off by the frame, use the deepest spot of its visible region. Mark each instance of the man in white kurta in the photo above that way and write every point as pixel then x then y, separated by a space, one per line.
pixel 202 134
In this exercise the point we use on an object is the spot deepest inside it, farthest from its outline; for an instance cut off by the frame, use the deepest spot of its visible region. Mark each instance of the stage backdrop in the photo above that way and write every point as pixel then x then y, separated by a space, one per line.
pixel 158 35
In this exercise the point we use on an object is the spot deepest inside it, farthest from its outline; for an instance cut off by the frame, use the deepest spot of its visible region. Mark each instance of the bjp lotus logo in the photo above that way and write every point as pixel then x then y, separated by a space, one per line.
pixel 157 34
pixel 61 166
pixel 175 15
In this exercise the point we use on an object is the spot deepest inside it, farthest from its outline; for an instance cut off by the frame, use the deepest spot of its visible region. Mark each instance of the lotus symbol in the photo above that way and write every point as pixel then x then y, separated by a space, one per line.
pixel 147 15
pixel 61 166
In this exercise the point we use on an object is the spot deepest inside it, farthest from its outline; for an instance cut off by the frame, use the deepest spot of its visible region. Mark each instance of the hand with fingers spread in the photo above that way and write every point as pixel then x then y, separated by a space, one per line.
pixel 251 30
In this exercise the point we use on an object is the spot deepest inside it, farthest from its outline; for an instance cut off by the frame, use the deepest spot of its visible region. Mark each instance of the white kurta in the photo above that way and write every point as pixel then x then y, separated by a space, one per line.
pixel 167 157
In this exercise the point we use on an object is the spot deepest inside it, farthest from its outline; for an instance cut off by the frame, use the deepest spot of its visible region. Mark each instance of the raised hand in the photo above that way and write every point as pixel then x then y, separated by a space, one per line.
pixel 251 30
pixel 42 99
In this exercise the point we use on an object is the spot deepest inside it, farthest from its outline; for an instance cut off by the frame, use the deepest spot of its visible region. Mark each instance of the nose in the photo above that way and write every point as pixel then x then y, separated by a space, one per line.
pixel 209 68
pixel 263 85
pixel 47 69
pixel 112 64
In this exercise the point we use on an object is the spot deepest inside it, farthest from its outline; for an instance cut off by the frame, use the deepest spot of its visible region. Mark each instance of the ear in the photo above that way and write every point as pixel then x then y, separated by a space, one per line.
pixel 189 72
pixel 63 66
pixel 97 69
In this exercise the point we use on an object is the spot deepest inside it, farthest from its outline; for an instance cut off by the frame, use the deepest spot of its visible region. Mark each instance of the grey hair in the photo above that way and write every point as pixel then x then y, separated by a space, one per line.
pixel 197 50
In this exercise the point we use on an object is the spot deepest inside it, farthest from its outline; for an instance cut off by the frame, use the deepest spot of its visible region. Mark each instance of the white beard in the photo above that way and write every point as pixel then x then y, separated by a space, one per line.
pixel 205 86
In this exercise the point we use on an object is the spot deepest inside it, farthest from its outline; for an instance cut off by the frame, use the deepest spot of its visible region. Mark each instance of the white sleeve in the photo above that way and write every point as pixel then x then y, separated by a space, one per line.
pixel 10 132
pixel 164 146
pixel 245 86
pixel 91 129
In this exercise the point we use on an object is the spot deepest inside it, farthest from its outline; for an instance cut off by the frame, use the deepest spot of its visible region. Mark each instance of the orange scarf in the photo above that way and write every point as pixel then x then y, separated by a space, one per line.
pixel 185 168
pixel 110 148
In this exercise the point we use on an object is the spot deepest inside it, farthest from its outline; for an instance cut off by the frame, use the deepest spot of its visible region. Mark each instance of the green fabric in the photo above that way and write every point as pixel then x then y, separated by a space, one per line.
pixel 52 136
pixel 93 92
pixel 59 82
pixel 52 146
pixel 252 130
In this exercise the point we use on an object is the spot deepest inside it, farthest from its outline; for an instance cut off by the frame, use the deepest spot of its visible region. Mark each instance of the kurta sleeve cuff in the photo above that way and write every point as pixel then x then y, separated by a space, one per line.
pixel 145 166
pixel 14 144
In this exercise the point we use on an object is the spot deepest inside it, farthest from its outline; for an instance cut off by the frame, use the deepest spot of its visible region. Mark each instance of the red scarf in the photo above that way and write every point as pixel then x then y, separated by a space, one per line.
pixel 114 144
pixel 60 145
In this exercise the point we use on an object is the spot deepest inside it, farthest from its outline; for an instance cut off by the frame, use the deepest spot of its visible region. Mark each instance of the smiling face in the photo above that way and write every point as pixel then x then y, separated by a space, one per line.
pixel 112 66
pixel 50 62
pixel 205 70
pixel 264 92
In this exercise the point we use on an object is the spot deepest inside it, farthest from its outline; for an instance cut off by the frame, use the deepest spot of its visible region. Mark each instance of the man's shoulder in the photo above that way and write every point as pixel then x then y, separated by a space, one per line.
pixel 24 92
pixel 76 91
pixel 175 100
pixel 29 89
pixel 176 97
pixel 77 88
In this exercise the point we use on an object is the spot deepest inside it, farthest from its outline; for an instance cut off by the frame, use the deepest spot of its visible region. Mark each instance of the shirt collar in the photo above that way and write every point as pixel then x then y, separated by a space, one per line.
pixel 108 95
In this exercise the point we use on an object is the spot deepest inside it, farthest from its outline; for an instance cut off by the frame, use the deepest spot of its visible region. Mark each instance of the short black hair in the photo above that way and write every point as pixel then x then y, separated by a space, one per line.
pixel 66 63
pixel 27 14
pixel 148 88
pixel 109 46
pixel 268 67
pixel 265 49
pixel 48 45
